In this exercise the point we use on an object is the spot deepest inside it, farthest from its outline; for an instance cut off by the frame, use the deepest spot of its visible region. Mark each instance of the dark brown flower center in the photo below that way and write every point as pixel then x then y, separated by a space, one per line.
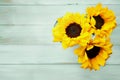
pixel 99 22
pixel 93 52
pixel 73 30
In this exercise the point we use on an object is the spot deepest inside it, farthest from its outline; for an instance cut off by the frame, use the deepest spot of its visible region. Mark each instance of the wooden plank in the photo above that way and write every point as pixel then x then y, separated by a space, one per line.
pixel 114 36
pixel 79 1
pixel 59 1
pixel 36 34
pixel 57 72
pixel 40 34
pixel 42 14
pixel 44 54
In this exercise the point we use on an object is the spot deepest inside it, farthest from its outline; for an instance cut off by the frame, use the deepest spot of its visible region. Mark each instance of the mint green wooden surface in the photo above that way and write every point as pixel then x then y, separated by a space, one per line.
pixel 26 48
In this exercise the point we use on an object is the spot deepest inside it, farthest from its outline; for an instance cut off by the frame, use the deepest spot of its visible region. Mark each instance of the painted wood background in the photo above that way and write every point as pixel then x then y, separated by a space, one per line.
pixel 26 48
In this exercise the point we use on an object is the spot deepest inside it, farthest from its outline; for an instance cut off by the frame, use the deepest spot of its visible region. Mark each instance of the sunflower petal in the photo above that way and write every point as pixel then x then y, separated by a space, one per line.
pixel 95 64
pixel 100 60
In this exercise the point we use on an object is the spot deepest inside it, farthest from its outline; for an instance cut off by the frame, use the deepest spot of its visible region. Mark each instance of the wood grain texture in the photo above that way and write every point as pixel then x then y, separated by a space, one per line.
pixel 58 2
pixel 44 54
pixel 36 35
pixel 43 14
pixel 26 48
pixel 24 24
pixel 57 72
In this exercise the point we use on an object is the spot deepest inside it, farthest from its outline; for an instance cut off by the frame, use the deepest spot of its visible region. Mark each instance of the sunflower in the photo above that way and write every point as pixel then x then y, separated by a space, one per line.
pixel 102 20
pixel 71 29
pixel 94 54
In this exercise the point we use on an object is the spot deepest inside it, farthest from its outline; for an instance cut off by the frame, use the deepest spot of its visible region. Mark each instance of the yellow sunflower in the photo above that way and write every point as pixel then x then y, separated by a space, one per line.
pixel 94 54
pixel 71 29
pixel 102 20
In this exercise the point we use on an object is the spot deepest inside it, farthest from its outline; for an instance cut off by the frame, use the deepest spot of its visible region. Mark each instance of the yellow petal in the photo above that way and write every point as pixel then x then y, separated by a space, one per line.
pixel 85 65
pixel 95 64
pixel 93 22
pixel 104 54
pixel 89 47
pixel 80 51
pixel 100 60
pixel 81 59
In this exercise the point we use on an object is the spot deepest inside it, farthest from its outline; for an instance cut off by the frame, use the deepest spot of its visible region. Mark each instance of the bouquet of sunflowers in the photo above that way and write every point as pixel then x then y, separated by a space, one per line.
pixel 91 31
